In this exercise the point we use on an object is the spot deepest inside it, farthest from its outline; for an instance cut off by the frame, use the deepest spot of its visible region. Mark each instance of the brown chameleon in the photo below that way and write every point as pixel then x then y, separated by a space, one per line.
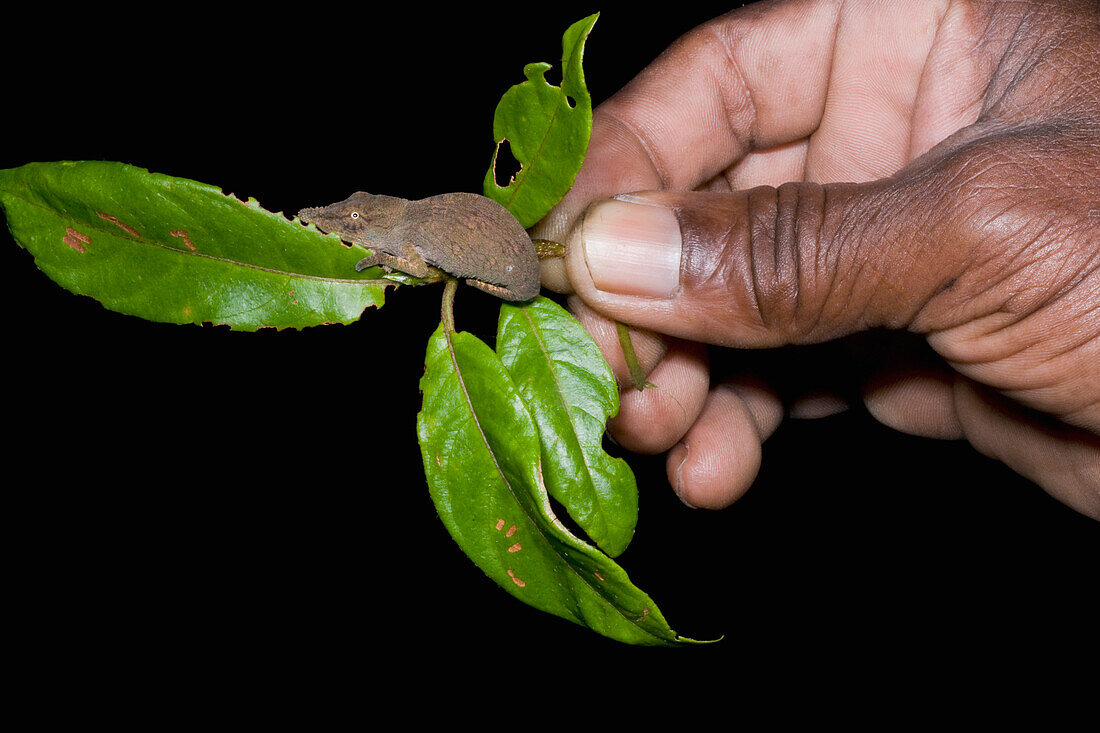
pixel 462 234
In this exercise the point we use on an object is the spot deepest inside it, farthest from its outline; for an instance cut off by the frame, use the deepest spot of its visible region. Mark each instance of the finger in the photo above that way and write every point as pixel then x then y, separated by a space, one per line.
pixel 1063 460
pixel 741 97
pixel 915 404
pixel 811 382
pixel 761 401
pixel 649 347
pixel 948 240
pixel 907 386
pixel 656 418
pixel 718 459
pixel 716 92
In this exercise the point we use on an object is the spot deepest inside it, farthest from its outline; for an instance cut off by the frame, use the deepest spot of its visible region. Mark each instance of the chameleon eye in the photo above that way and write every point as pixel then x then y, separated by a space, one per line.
pixel 355 215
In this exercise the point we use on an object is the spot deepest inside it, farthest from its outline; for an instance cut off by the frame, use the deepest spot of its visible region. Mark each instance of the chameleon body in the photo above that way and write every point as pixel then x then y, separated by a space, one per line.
pixel 463 234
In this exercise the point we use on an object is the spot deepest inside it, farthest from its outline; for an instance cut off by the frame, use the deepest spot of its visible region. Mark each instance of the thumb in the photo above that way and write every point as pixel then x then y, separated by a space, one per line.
pixel 765 267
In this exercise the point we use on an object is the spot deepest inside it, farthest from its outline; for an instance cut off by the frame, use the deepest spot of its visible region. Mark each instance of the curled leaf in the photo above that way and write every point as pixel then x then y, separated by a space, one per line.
pixel 482 459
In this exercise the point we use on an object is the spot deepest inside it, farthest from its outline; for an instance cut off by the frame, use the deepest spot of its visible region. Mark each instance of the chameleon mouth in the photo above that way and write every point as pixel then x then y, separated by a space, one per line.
pixel 307 215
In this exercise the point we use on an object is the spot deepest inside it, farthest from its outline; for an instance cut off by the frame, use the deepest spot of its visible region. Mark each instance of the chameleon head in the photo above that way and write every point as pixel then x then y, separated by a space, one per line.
pixel 362 218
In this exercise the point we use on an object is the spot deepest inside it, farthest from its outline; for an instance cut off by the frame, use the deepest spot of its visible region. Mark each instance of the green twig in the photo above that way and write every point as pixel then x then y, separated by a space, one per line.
pixel 636 373
pixel 447 313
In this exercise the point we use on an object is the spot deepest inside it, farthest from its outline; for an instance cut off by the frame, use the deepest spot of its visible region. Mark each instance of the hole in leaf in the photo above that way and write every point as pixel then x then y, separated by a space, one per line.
pixel 505 166
pixel 553 76
pixel 570 102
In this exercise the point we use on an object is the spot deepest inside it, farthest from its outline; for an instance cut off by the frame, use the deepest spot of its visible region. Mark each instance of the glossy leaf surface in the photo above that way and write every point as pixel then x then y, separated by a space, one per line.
pixel 570 392
pixel 482 460
pixel 178 251
pixel 547 129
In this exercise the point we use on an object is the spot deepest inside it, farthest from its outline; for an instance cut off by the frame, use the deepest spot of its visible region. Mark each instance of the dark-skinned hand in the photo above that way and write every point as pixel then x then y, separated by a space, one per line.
pixel 916 182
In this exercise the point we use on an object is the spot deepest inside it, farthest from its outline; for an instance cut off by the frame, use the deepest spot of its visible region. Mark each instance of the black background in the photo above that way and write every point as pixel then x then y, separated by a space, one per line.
pixel 204 508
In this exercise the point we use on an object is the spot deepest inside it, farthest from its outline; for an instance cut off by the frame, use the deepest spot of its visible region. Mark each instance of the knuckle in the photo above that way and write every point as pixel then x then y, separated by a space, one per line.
pixel 773 256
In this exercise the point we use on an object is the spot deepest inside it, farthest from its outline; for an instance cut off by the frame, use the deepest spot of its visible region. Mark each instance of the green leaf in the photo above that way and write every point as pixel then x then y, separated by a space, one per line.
pixel 482 460
pixel 547 129
pixel 178 251
pixel 570 392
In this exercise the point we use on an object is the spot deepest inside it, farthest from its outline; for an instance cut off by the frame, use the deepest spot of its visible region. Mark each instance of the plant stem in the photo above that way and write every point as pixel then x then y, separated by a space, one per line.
pixel 447 309
pixel 631 358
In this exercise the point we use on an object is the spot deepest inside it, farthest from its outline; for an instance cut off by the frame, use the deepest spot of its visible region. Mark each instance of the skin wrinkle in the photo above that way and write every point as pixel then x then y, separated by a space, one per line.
pixel 764 245
pixel 747 276
pixel 820 266
pixel 781 245
pixel 1041 39
pixel 1045 387
pixel 749 258
pixel 1053 323
pixel 998 229
pixel 994 99
pixel 913 107
pixel 796 250
pixel 725 43
pixel 874 213
pixel 643 143
pixel 1017 374
pixel 1032 259
pixel 1078 273
pixel 1087 416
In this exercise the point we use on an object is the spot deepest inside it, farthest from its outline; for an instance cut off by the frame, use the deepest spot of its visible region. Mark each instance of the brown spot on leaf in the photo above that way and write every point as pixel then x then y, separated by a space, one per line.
pixel 511 531
pixel 500 524
pixel 75 239
pixel 516 580
pixel 598 576
pixel 645 612
pixel 121 225
pixel 515 548
pixel 186 239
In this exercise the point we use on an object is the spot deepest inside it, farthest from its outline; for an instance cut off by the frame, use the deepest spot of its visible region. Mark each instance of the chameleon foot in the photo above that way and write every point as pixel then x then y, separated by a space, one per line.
pixel 500 291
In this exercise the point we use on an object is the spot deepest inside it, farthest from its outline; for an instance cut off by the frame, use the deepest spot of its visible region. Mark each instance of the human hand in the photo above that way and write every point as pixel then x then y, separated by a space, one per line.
pixel 812 171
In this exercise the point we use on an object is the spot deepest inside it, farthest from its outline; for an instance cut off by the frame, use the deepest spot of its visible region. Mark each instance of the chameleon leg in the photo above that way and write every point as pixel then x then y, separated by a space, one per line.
pixel 416 269
pixel 497 290
pixel 368 261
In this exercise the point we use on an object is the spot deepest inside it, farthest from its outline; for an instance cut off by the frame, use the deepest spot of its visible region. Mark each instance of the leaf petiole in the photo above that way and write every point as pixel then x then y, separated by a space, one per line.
pixel 447 312
pixel 636 373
